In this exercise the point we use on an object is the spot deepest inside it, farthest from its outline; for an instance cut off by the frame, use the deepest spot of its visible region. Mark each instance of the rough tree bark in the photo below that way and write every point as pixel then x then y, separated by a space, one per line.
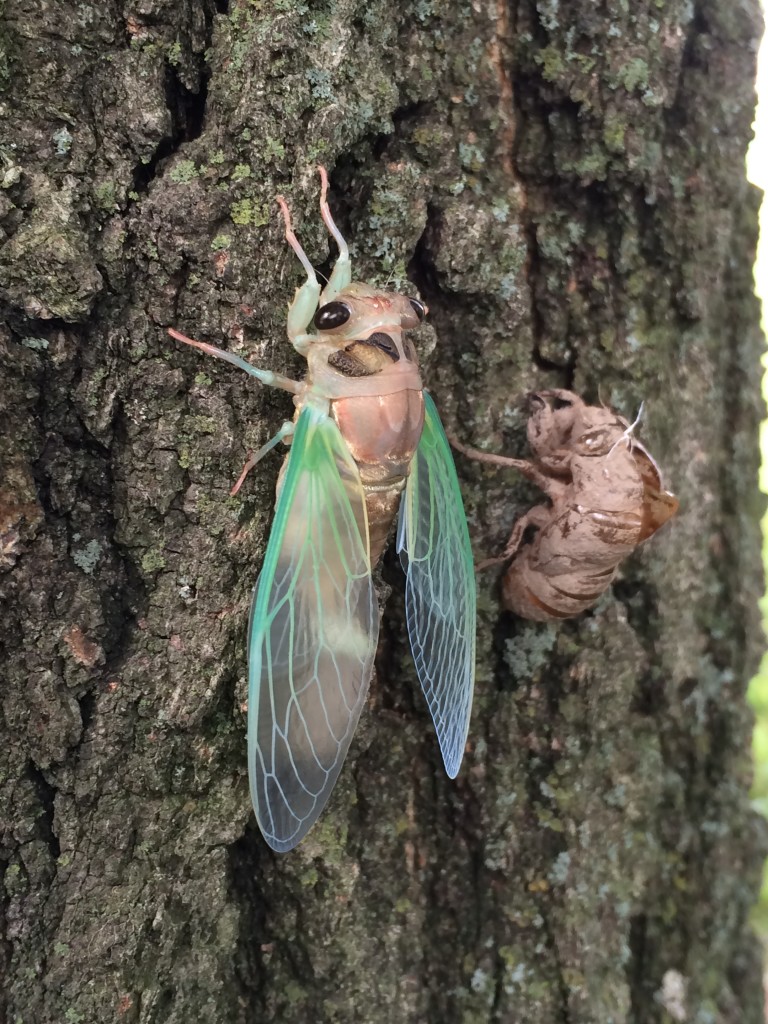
pixel 564 185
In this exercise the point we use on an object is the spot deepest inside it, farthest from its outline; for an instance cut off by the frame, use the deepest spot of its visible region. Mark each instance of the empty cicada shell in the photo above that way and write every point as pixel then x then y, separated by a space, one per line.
pixel 605 498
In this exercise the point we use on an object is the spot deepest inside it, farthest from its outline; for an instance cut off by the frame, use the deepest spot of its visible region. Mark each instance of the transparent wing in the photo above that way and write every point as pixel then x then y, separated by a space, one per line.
pixel 312 637
pixel 440 597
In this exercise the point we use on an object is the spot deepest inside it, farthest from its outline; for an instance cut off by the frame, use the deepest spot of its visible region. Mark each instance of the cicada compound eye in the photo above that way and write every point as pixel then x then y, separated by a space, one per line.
pixel 332 314
pixel 418 308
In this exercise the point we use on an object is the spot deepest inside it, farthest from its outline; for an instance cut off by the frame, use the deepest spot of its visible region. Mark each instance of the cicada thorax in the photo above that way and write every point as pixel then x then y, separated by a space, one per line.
pixel 369 369
pixel 382 434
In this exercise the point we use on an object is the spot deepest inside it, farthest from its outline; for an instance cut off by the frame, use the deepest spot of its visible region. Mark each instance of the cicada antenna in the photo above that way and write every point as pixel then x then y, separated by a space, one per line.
pixel 390 279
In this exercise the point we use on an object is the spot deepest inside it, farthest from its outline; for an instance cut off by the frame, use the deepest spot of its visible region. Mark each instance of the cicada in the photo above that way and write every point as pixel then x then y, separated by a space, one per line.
pixel 365 441
pixel 605 498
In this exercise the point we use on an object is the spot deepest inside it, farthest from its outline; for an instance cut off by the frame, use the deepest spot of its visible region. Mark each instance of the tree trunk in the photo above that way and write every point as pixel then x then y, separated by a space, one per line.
pixel 564 185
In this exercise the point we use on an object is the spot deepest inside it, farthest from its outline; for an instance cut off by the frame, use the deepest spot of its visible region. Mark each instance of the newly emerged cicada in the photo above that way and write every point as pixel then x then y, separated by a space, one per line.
pixel 605 498
pixel 365 439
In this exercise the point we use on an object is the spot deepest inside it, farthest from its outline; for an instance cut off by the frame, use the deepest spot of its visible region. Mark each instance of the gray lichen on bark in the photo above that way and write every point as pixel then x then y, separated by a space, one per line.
pixel 564 185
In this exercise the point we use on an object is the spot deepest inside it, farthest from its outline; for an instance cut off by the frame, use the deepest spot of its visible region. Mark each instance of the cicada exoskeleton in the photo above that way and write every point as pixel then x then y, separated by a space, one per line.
pixel 605 498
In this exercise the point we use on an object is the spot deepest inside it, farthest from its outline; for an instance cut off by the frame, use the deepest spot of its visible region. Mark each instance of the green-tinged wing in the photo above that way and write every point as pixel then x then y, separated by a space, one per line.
pixel 440 596
pixel 314 625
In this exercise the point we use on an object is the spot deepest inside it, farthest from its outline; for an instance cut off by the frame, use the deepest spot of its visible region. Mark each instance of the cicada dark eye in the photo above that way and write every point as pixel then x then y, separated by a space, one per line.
pixel 418 308
pixel 332 314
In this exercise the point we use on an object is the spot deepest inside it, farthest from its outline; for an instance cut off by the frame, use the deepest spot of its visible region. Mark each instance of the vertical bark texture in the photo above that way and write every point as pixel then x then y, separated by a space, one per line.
pixel 564 184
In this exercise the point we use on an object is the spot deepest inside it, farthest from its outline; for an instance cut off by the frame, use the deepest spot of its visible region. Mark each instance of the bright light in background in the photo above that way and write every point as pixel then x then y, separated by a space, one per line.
pixel 757 166
pixel 757 155
pixel 757 172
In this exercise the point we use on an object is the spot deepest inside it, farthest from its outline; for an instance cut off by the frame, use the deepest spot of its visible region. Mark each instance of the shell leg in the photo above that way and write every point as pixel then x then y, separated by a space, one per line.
pixel 528 469
pixel 538 516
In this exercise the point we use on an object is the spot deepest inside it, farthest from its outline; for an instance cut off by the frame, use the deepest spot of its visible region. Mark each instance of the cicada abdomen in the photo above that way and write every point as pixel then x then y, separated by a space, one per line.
pixel 365 441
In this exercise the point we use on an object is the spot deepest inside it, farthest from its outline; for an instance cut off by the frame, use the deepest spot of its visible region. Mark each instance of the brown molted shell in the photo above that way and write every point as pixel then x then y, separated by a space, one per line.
pixel 606 498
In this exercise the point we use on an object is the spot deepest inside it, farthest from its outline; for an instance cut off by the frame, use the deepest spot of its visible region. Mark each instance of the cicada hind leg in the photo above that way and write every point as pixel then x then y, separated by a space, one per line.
pixel 286 431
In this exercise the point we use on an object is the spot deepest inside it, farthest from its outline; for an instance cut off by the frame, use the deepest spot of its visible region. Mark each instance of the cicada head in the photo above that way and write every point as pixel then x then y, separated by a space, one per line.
pixel 361 307
pixel 363 314
pixel 357 347
pixel 360 334
pixel 562 420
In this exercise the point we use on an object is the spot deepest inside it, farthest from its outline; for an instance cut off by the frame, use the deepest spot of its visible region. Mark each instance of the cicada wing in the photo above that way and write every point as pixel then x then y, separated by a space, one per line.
pixel 440 596
pixel 313 632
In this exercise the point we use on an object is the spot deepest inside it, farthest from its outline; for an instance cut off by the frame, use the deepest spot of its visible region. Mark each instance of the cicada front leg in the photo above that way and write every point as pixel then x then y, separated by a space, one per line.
pixel 309 296
pixel 341 275
pixel 302 309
